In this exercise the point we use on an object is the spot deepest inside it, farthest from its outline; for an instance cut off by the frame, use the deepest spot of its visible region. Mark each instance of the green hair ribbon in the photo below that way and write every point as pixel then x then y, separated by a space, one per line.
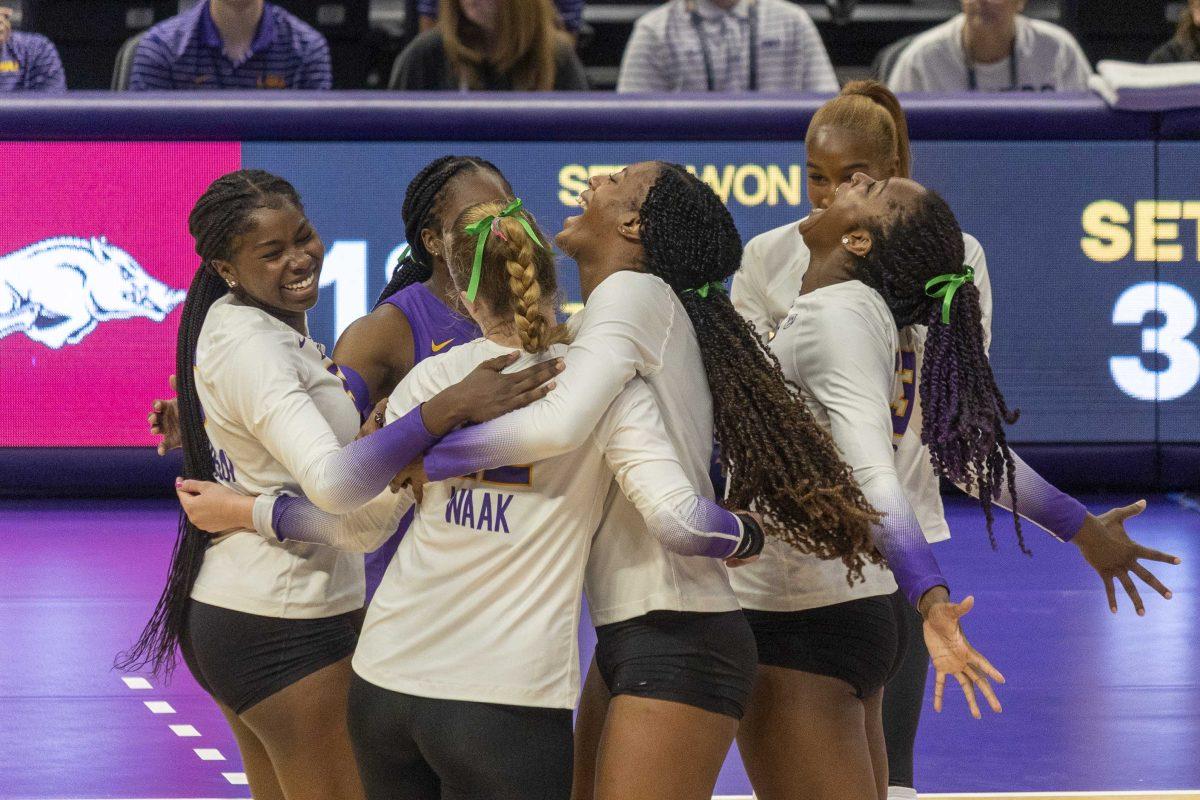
pixel 706 288
pixel 483 229
pixel 949 283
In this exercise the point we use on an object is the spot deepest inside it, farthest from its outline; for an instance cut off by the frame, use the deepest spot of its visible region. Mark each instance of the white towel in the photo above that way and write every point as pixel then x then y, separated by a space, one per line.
pixel 1147 87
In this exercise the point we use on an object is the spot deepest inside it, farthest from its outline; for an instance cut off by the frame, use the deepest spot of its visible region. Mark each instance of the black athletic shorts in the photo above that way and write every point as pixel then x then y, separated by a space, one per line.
pixel 242 659
pixel 421 748
pixel 706 660
pixel 861 642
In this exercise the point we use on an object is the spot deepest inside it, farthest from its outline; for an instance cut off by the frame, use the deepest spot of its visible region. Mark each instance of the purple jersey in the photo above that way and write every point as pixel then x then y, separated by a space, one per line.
pixel 435 329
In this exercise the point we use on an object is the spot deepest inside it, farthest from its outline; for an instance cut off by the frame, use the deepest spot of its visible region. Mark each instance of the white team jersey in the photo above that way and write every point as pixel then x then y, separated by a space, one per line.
pixel 271 404
pixel 482 599
pixel 1048 60
pixel 629 573
pixel 850 323
pixel 764 289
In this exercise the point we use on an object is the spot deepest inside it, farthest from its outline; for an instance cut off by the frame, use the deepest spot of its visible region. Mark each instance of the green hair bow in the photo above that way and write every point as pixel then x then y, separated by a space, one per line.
pixel 485 228
pixel 944 286
pixel 706 288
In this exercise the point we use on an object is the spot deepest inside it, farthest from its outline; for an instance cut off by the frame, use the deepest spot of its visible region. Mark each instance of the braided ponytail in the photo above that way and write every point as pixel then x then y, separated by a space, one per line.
pixel 777 455
pixel 218 218
pixel 516 276
pixel 963 410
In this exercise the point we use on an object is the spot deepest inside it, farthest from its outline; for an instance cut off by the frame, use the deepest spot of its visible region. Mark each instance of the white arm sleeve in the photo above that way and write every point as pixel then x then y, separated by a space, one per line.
pixel 262 384
pixel 288 518
pixel 624 332
pixel 847 362
pixel 635 444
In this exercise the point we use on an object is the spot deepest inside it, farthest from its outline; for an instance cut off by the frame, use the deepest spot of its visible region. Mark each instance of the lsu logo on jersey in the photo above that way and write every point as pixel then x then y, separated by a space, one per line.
pixel 906 394
pixel 58 290
pixel 483 509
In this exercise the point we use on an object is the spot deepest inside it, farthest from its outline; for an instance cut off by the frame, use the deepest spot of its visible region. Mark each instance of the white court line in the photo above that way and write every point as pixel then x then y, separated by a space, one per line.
pixel 236 778
pixel 159 707
pixel 137 683
pixel 208 753
pixel 184 730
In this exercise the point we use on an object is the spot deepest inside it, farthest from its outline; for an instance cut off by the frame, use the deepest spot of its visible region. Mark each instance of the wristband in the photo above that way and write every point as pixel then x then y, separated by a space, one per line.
pixel 753 537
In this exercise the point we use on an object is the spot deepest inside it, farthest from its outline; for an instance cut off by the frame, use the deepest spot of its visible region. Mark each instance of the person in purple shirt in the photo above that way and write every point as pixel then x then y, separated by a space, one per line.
pixel 28 61
pixel 231 44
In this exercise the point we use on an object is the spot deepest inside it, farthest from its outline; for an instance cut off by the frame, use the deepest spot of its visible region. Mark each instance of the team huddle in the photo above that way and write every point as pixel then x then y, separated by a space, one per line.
pixel 744 484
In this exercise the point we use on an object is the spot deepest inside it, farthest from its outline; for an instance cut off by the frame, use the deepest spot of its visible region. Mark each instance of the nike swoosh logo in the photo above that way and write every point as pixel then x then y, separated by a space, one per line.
pixel 435 347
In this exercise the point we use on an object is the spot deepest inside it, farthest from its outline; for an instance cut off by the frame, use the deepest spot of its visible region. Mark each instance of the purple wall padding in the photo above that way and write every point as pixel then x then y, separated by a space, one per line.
pixel 392 116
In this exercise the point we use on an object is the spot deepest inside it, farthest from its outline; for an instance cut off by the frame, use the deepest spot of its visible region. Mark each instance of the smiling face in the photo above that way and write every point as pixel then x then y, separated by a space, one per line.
pixel 857 206
pixel 834 156
pixel 277 262
pixel 610 208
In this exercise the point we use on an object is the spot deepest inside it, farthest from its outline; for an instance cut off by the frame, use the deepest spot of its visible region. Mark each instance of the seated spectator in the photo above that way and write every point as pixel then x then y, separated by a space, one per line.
pixel 570 14
pixel 492 45
pixel 992 47
pixel 1185 45
pixel 28 61
pixel 726 46
pixel 231 44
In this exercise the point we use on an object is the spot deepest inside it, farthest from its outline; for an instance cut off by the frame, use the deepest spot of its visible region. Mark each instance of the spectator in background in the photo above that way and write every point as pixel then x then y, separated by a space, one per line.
pixel 1185 45
pixel 28 61
pixel 570 14
pixel 726 46
pixel 492 45
pixel 231 44
pixel 992 47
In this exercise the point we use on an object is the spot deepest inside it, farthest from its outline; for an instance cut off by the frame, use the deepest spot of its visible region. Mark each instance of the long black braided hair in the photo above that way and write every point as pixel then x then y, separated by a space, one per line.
pixel 963 412
pixel 420 211
pixel 220 216
pixel 778 456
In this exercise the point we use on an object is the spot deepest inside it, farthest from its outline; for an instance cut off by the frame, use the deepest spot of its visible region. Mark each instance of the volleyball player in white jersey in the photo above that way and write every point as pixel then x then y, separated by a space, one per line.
pixel 467 668
pixel 884 255
pixel 265 627
pixel 674 658
pixel 864 129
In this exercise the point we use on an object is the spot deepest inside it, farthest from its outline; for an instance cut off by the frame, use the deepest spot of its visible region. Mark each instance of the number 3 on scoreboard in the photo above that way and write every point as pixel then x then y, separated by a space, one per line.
pixel 1176 311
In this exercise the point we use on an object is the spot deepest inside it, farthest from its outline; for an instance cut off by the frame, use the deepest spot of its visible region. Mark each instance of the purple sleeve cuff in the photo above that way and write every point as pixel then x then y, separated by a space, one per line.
pixel 900 539
pixel 461 452
pixel 282 511
pixel 357 387
pixel 1039 501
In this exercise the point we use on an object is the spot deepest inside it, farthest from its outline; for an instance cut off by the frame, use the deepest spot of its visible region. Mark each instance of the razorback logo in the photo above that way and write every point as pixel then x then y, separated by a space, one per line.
pixel 58 290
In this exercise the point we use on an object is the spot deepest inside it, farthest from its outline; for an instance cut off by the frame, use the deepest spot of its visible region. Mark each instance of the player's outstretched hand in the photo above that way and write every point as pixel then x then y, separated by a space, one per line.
pixel 487 392
pixel 952 654
pixel 164 422
pixel 214 508
pixel 1107 547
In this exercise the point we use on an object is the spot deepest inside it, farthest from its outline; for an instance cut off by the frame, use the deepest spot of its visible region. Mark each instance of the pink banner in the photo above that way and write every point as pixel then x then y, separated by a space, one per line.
pixel 95 259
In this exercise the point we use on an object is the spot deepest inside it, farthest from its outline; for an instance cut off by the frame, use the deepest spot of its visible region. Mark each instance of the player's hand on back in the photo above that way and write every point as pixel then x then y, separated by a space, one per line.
pixel 952 654
pixel 413 478
pixel 214 508
pixel 488 392
pixel 1106 546
pixel 164 422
